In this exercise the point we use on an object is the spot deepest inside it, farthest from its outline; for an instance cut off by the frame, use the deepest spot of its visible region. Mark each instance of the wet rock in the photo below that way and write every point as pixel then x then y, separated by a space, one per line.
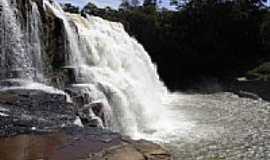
pixel 24 109
pixel 89 119
pixel 7 98
pixel 71 74
pixel 79 144
pixel 101 110
pixel 248 95
pixel 81 94
pixel 94 122
pixel 91 105
pixel 136 150
pixel 125 152
pixel 149 150
pixel 33 99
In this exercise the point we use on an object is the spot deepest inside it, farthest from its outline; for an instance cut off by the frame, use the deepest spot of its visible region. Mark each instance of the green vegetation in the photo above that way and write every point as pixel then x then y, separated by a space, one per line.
pixel 201 38
pixel 70 8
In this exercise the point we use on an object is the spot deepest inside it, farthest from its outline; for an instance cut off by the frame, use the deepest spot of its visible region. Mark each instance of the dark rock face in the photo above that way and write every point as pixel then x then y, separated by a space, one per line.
pixel 28 109
pixel 23 113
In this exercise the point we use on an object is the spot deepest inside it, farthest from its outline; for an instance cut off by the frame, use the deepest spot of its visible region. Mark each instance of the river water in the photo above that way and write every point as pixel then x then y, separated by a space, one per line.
pixel 225 127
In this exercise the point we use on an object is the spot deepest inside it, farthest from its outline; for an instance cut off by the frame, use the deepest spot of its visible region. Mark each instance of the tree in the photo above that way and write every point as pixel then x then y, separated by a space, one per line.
pixel 91 9
pixel 68 7
pixel 125 5
pixel 185 3
pixel 150 3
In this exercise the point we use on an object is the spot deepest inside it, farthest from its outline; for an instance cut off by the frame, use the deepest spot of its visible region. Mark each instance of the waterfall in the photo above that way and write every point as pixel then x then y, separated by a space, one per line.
pixel 72 38
pixel 120 67
pixel 20 49
pixel 107 58
pixel 34 39
pixel 110 66
pixel 13 50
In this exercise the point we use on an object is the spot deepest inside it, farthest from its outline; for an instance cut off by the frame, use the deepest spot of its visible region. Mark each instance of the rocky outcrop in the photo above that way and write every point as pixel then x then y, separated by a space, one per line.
pixel 91 104
pixel 26 108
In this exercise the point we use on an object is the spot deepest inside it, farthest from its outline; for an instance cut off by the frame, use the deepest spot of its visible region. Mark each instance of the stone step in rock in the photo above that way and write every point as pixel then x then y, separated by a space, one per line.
pixel 31 99
pixel 24 108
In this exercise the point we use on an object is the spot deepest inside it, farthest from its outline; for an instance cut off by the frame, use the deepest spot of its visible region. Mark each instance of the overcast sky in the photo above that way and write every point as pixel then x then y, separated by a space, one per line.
pixel 103 3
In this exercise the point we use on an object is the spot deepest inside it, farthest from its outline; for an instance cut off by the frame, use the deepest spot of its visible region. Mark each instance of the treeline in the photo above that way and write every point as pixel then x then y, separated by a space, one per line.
pixel 200 38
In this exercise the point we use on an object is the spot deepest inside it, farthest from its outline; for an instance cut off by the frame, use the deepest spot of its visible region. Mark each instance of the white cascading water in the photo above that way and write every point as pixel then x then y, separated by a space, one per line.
pixel 20 50
pixel 35 48
pixel 120 67
pixel 113 67
pixel 72 38
pixel 107 58
pixel 12 43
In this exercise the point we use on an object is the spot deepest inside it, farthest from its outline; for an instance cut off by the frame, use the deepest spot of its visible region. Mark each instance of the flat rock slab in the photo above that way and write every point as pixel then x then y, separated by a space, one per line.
pixel 27 110
pixel 79 144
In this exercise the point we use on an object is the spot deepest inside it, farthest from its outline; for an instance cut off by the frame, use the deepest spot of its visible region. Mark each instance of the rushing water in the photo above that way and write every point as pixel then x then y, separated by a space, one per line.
pixel 110 64
pixel 119 66
pixel 20 44
pixel 227 127
pixel 106 57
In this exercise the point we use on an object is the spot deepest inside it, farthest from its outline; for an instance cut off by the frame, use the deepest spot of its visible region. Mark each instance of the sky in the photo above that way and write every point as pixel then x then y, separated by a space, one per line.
pixel 104 3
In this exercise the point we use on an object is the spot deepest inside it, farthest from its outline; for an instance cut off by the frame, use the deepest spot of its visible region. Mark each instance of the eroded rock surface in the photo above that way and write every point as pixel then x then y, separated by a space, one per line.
pixel 79 144
pixel 24 109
